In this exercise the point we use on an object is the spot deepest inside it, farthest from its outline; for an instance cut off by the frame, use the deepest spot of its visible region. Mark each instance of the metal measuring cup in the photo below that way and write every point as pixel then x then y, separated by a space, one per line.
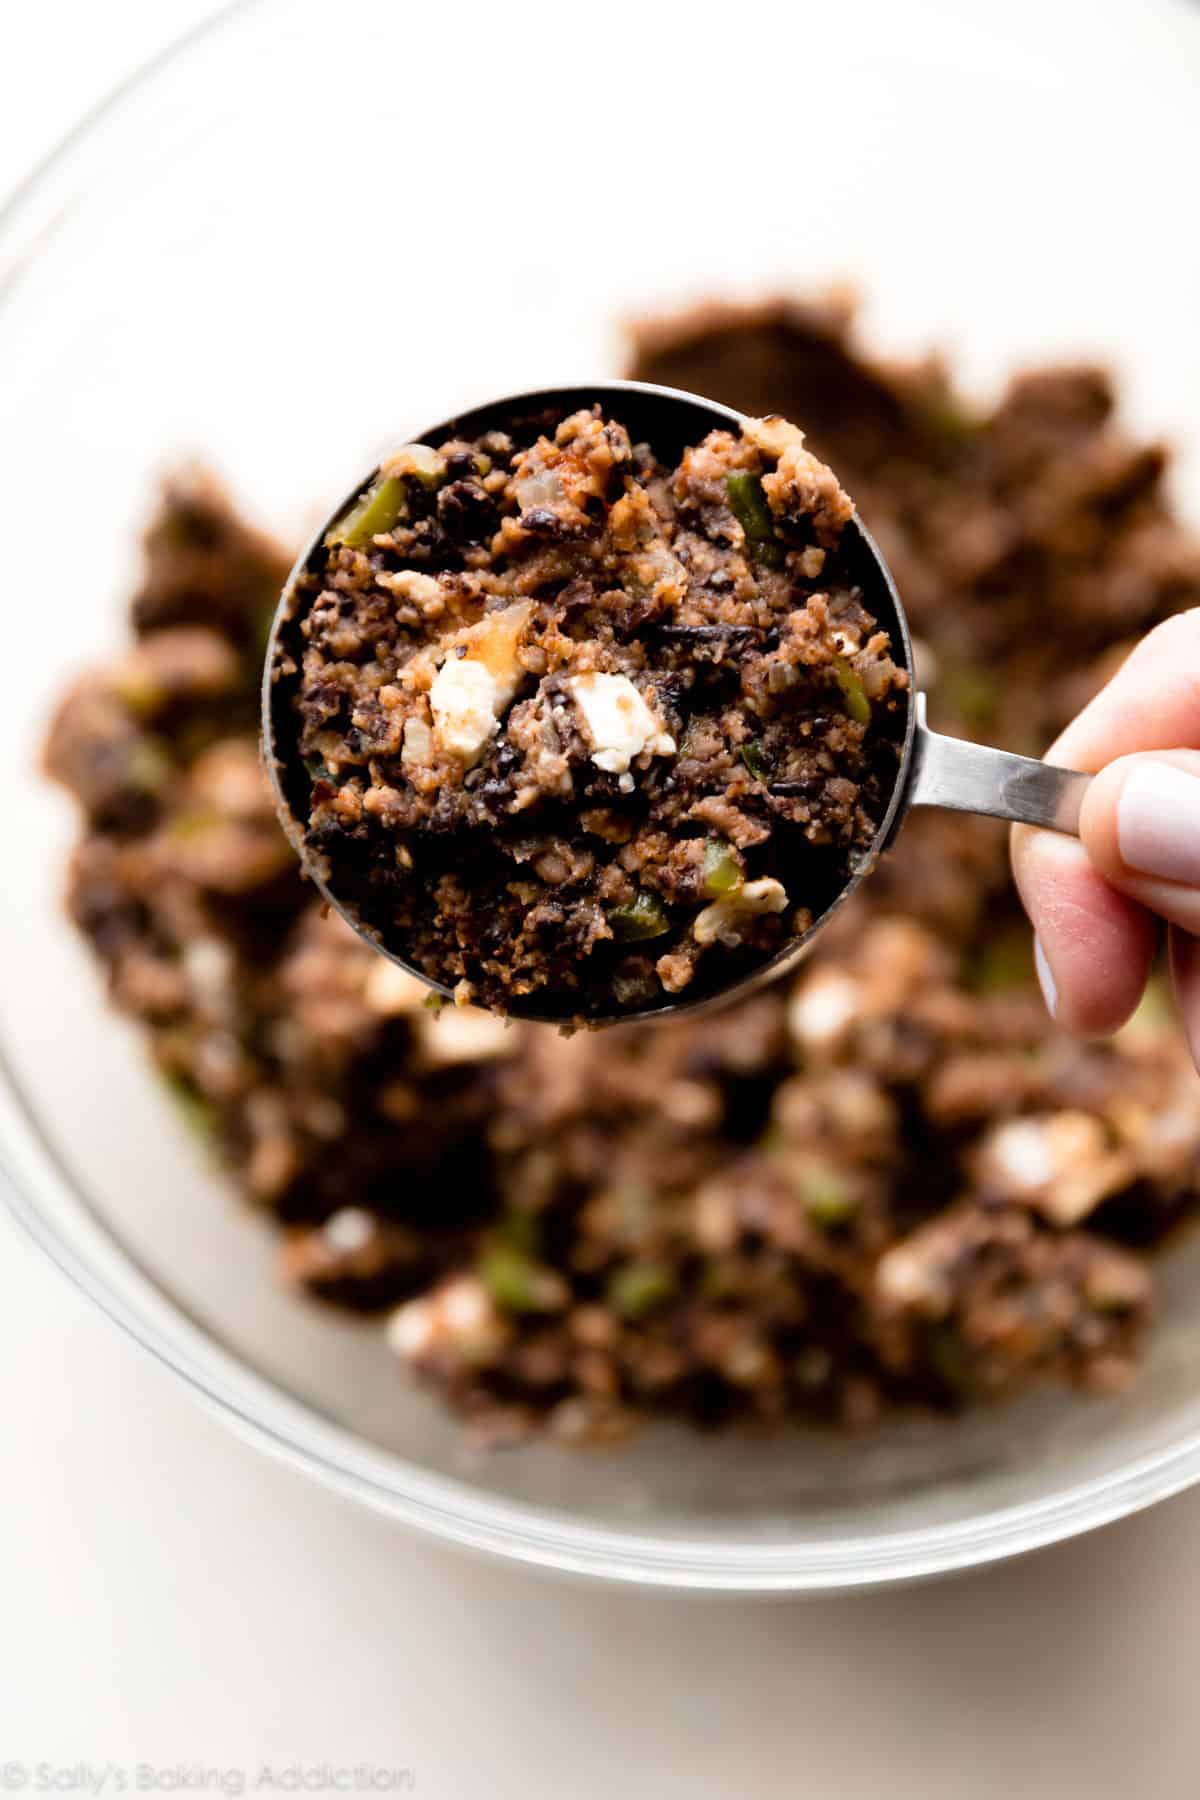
pixel 934 770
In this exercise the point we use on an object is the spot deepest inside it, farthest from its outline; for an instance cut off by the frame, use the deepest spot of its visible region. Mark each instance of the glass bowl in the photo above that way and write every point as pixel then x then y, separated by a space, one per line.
pixel 307 229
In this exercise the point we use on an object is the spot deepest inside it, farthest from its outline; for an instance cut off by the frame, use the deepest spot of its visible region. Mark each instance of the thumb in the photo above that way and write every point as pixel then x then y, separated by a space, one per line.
pixel 1092 904
pixel 1140 825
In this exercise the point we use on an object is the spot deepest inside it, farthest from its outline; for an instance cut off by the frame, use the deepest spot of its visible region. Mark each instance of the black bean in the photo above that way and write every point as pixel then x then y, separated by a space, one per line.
pixel 466 513
pixel 709 634
pixel 541 522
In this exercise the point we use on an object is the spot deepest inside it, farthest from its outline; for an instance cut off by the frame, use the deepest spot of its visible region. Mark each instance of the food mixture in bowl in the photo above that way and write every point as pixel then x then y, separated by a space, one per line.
pixel 888 1181
pixel 583 727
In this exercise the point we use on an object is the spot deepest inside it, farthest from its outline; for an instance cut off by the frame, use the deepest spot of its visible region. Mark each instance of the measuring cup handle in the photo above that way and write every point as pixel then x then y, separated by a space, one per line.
pixel 972 778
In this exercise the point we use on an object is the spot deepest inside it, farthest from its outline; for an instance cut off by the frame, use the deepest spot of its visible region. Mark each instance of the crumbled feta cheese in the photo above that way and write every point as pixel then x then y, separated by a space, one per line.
pixel 477 681
pixel 412 1329
pixel 466 707
pixel 618 721
pixel 715 1217
pixel 390 990
pixel 466 1306
pixel 694 1103
pixel 823 1008
pixel 1170 1135
pixel 208 965
pixel 349 1229
pixel 725 917
pixel 748 1363
pixel 1020 1156
pixel 417 748
pixel 460 1316
pixel 464 1034
pixel 1077 1192
pixel 1063 1165
pixel 772 435
pixel 907 1279
pixel 410 584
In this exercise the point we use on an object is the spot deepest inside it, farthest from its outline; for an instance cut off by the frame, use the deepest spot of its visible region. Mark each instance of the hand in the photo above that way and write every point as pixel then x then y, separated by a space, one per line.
pixel 1096 904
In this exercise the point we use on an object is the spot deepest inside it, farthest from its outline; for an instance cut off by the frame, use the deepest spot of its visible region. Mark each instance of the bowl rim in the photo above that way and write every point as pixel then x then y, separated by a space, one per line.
pixel 39 1193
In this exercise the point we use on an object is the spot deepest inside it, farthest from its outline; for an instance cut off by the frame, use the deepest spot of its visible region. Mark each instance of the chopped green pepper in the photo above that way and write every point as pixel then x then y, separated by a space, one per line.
pixel 826 1196
pixel 423 462
pixel 722 870
pixel 194 823
pixel 748 504
pixel 518 1283
pixel 755 761
pixel 148 766
pixel 644 917
pixel 944 419
pixel 632 1209
pixel 812 1367
pixel 374 512
pixel 198 1114
pixel 520 1229
pixel 139 692
pixel 853 691
pixel 950 1359
pixel 263 623
pixel 637 1288
pixel 718 1281
pixel 1005 963
pixel 973 693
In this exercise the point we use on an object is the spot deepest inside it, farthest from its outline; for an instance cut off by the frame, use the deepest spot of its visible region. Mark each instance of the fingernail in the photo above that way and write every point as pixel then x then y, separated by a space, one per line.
pixel 1045 978
pixel 1158 823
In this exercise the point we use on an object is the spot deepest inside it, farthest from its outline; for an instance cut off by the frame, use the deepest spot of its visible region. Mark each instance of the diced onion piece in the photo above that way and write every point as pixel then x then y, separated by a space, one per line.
pixel 725 919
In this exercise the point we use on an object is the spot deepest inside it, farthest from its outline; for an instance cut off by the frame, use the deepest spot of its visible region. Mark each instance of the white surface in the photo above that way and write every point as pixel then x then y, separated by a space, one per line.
pixel 169 1598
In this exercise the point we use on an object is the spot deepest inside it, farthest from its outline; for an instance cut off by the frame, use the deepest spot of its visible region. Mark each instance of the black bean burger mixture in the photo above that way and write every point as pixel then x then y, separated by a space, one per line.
pixel 888 1181
pixel 577 723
